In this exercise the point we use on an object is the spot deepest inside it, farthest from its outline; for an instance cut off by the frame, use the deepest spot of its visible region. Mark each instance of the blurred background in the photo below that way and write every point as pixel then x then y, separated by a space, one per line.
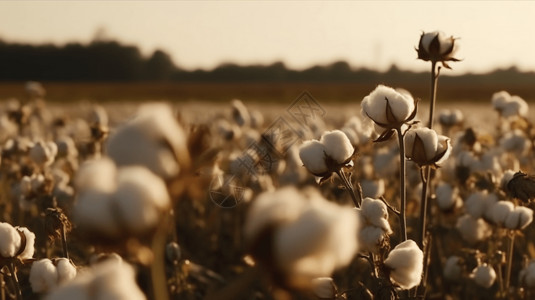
pixel 260 50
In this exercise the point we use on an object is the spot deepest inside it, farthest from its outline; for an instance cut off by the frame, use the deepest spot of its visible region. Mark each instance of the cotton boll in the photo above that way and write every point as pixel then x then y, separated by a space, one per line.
pixel 450 117
pixel 312 154
pixel 375 104
pixel 506 177
pixel 43 276
pixel 43 153
pixel 160 142
pixel 370 238
pixel 472 229
pixel 240 114
pixel 29 250
pixel 99 175
pixel 324 288
pixel 447 196
pixel 373 188
pixel 429 140
pixel 499 99
pixel 337 146
pixel 140 198
pixel 484 276
pixel 93 211
pixel 452 268
pixel 500 210
pixel 98 116
pixel 406 263
pixel 519 218
pixel 527 275
pixel 478 204
pixel 66 271
pixel 9 240
pixel 375 212
pixel 66 147
pixel 516 106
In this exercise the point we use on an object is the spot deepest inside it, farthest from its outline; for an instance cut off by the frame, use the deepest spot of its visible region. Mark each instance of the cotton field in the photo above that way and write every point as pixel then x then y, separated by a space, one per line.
pixel 389 197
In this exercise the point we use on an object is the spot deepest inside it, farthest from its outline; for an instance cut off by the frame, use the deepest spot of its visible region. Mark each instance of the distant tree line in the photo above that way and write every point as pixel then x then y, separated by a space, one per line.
pixel 105 60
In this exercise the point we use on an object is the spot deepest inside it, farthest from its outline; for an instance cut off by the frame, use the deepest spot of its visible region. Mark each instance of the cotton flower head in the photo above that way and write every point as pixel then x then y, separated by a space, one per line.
pixel 46 275
pixel 106 280
pixel 519 218
pixel 453 268
pixel 484 275
pixel 332 152
pixel 110 199
pixel 406 264
pixel 478 204
pixel 437 47
pixel 153 139
pixel 300 235
pixel 16 242
pixel 425 147
pixel 473 229
pixel 499 212
pixel 388 108
pixel 509 106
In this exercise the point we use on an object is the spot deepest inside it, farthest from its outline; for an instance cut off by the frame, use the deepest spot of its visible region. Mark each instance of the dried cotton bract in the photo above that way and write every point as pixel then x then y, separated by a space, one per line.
pixel 300 236
pixel 406 264
pixel 153 139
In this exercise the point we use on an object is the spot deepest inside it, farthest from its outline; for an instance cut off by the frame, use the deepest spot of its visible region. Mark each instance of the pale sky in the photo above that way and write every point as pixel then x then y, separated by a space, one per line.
pixel 202 34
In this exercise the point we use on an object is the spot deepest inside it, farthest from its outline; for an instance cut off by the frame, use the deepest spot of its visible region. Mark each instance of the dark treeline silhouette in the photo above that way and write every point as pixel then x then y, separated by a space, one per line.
pixel 104 60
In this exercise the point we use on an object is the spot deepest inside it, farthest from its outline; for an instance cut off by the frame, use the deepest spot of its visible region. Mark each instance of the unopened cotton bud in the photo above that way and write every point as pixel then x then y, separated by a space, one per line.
pixel 324 288
pixel 484 276
pixel 472 229
pixel 406 264
pixel 452 268
pixel 337 146
pixel 519 218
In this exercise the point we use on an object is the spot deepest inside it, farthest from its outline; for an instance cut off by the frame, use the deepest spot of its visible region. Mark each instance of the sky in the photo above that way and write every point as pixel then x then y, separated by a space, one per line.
pixel 203 34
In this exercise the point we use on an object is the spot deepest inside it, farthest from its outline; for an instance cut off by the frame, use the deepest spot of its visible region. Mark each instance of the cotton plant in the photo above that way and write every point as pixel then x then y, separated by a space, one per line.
pixel 298 236
pixel 332 153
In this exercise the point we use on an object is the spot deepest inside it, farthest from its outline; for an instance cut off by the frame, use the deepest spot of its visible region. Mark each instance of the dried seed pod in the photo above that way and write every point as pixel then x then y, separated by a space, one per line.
pixel 521 186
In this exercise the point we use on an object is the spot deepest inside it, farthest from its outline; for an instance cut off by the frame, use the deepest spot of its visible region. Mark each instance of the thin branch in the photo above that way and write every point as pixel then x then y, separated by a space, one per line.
pixel 392 209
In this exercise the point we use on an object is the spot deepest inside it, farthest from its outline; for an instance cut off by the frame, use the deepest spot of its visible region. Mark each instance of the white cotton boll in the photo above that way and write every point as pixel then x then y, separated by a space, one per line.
pixel 452 268
pixel 240 114
pixel 373 188
pixel 272 208
pixel 447 196
pixel 140 198
pixel 506 177
pixel 374 105
pixel 99 175
pixel 516 106
pixel 66 271
pixel 93 211
pixel 43 276
pixel 9 240
pixel 500 210
pixel 370 237
pixel 450 117
pixel 444 146
pixel 527 275
pixel 25 185
pixel 29 250
pixel 153 139
pixel 427 38
pixel 43 154
pixel 473 230
pixel 376 213
pixel 66 147
pixel 337 146
pixel 406 263
pixel 429 140
pixel 499 99
pixel 312 154
pixel 467 159
pixel 475 204
pixel 324 288
pixel 98 116
pixel 519 218
pixel 484 276
pixel 515 142
pixel 318 241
